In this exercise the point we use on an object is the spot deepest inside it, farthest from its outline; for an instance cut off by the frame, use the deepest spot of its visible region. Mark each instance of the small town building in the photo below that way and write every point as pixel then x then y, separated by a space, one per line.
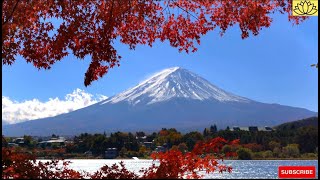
pixel 148 144
pixel 160 149
pixel 141 138
pixel 19 141
pixel 88 153
pixel 111 153
pixel 236 128
pixel 12 145
pixel 53 142
pixel 251 128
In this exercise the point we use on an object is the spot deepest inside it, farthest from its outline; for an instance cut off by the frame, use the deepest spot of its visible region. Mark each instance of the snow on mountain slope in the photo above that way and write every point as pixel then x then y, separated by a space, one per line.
pixel 170 83
pixel 172 98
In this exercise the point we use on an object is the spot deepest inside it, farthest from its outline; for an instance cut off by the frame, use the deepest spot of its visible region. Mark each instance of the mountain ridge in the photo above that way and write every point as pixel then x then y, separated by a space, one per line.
pixel 311 121
pixel 172 98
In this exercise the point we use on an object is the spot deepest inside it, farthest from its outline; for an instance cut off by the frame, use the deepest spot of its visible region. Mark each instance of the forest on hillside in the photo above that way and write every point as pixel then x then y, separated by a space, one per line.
pixel 297 139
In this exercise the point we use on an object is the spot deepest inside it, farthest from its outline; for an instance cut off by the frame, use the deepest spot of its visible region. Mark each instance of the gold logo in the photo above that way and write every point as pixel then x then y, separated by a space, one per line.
pixel 305 7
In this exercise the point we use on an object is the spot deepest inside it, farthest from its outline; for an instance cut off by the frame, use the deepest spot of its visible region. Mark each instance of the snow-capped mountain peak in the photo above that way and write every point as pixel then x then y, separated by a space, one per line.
pixel 170 83
pixel 172 98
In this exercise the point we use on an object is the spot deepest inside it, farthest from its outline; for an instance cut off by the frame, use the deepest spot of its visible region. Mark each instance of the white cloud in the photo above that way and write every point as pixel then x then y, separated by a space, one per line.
pixel 14 111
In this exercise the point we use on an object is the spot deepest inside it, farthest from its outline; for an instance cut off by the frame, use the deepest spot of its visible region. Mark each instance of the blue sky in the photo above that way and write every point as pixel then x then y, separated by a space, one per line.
pixel 273 67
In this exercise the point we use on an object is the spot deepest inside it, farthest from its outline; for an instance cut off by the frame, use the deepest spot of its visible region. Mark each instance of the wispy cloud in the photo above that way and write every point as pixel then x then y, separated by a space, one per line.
pixel 14 111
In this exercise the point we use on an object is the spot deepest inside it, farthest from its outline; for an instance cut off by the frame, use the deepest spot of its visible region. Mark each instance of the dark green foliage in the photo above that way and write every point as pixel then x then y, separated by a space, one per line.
pixel 244 154
pixel 190 139
pixel 29 142
pixel 290 140
pixel 205 132
pixel 291 150
pixel 98 143
pixel 307 138
pixel 140 134
pixel 213 129
pixel 226 149
pixel 312 121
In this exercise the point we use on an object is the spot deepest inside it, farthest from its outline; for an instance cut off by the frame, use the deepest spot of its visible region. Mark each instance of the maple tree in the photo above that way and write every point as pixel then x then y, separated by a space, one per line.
pixel 90 28
pixel 172 164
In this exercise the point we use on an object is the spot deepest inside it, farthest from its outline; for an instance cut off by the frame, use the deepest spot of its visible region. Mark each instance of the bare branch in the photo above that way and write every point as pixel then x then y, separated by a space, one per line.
pixel 187 11
pixel 314 65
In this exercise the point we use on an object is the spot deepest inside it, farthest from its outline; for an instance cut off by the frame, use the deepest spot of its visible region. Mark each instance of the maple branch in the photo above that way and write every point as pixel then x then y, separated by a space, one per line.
pixel 166 6
pixel 143 21
pixel 129 9
pixel 187 11
pixel 10 16
pixel 110 17
pixel 314 65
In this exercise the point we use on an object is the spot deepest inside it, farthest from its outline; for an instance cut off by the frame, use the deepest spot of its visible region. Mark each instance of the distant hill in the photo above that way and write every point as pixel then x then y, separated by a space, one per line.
pixel 312 121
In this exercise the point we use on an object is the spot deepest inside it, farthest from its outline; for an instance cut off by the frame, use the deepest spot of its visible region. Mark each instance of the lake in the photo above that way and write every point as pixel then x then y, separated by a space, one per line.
pixel 242 169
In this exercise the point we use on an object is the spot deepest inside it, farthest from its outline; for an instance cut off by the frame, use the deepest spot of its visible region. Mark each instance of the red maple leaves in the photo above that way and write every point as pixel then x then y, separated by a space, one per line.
pixel 44 32
pixel 172 164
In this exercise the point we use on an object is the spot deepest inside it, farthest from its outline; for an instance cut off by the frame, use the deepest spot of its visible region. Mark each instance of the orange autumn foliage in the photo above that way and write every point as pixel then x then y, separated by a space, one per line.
pixel 172 164
pixel 44 32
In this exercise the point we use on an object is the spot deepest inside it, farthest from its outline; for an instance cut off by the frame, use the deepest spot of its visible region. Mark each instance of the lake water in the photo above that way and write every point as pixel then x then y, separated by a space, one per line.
pixel 251 169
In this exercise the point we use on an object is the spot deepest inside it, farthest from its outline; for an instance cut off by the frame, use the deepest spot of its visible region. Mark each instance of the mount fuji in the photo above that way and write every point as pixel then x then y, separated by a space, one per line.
pixel 172 98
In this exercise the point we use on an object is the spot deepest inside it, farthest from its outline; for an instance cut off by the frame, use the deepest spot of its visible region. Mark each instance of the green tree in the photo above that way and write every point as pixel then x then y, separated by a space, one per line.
pixel 142 151
pixel 258 155
pixel 291 150
pixel 28 141
pixel 169 136
pixel 273 144
pixel 307 138
pixel 183 147
pixel 226 149
pixel 268 154
pixel 191 139
pixel 277 152
pixel 206 132
pixel 140 134
pixel 152 136
pixel 309 156
pixel 123 152
pixel 213 129
pixel 244 154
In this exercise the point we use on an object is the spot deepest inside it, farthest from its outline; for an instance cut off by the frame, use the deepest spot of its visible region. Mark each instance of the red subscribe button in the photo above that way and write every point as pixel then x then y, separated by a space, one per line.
pixel 297 172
